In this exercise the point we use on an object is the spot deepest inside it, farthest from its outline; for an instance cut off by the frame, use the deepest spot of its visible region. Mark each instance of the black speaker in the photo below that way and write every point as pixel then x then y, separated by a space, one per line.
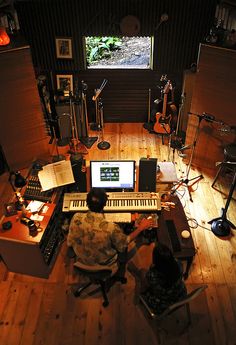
pixel 64 120
pixel 79 171
pixel 3 163
pixel 147 174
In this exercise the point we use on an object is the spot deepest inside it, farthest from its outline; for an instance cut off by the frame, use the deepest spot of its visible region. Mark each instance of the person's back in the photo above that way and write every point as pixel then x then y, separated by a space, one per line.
pixel 95 240
pixel 164 280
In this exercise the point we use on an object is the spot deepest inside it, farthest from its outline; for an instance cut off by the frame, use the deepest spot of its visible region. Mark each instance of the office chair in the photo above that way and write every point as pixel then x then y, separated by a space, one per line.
pixel 172 308
pixel 100 275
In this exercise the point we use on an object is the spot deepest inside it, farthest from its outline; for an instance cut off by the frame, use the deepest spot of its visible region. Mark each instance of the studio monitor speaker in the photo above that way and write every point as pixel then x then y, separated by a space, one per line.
pixel 64 120
pixel 79 171
pixel 147 174
pixel 65 114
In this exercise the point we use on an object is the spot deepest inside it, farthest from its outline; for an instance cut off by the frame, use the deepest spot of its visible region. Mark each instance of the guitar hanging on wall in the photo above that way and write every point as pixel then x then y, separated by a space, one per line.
pixel 162 124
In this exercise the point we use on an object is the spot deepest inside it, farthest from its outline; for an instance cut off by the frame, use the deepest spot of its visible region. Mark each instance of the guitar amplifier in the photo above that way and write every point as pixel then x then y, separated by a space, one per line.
pixel 166 177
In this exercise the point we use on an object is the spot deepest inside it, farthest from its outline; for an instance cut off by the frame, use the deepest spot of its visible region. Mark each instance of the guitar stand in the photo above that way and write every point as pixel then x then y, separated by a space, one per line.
pixel 167 134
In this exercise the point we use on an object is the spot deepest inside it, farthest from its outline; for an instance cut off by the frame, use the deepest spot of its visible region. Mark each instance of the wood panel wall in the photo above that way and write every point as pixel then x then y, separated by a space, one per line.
pixel 22 131
pixel 175 44
pixel 214 93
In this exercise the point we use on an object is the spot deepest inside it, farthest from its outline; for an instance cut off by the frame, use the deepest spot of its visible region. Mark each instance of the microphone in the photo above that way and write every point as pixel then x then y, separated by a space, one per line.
pixel 189 113
pixel 205 116
pixel 185 147
pixel 208 117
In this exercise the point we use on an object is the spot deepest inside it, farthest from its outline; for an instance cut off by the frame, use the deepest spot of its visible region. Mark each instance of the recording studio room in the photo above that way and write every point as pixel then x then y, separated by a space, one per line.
pixel 137 99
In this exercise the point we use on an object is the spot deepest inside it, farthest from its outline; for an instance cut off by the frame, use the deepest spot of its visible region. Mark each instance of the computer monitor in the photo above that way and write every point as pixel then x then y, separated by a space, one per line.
pixel 113 175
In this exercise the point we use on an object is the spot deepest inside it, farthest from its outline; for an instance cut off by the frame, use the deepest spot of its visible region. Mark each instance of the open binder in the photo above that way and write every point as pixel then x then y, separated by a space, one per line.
pixel 55 175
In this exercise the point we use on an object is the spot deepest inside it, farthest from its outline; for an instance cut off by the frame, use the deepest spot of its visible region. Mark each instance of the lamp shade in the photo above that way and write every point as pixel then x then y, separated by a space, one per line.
pixel 17 180
pixel 4 38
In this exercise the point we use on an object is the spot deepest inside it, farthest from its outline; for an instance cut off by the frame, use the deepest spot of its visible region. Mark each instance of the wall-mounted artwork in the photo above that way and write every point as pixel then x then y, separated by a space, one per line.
pixel 64 48
pixel 65 83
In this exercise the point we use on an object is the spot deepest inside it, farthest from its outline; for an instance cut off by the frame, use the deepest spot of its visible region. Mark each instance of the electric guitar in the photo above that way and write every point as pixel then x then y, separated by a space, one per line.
pixel 162 124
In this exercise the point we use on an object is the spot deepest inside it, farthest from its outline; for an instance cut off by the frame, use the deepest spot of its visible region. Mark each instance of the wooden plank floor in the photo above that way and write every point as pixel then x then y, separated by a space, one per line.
pixel 37 311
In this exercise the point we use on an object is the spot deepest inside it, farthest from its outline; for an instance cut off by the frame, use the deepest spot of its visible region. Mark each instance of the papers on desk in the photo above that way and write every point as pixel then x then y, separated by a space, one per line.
pixel 125 217
pixel 55 175
pixel 35 206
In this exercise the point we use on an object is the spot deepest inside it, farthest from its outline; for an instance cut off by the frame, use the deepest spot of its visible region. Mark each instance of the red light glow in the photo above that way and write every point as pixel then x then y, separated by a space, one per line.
pixel 4 38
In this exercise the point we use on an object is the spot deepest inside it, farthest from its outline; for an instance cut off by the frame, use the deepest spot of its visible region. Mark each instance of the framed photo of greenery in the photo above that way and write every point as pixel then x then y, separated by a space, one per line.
pixel 65 83
pixel 64 48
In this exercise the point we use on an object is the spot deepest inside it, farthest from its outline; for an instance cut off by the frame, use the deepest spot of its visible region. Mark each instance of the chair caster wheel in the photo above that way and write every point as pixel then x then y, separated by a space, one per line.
pixel 123 280
pixel 105 304
pixel 76 293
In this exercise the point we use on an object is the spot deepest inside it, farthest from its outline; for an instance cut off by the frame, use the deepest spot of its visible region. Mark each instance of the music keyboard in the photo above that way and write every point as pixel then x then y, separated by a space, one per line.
pixel 117 202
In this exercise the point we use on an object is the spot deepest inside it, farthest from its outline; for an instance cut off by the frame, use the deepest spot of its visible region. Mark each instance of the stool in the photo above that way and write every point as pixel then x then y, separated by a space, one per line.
pixel 229 156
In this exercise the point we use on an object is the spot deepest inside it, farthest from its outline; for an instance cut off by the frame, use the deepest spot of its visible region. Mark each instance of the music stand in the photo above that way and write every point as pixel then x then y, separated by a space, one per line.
pixel 221 226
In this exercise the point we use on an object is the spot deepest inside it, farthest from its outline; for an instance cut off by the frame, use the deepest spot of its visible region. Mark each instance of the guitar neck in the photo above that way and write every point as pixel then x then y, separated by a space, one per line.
pixel 164 105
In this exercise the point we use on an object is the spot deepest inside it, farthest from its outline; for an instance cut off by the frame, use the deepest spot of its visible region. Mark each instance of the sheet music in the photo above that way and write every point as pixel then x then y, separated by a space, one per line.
pixel 56 174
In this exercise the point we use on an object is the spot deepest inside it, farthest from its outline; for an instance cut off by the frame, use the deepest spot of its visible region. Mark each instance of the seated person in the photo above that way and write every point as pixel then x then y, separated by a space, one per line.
pixel 96 241
pixel 162 285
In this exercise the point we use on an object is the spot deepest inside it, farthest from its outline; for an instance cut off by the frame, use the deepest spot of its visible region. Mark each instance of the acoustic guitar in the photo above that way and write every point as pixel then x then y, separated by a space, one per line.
pixel 162 124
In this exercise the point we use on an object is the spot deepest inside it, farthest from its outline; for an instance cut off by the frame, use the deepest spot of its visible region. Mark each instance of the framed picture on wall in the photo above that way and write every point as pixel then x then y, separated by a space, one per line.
pixel 64 48
pixel 65 83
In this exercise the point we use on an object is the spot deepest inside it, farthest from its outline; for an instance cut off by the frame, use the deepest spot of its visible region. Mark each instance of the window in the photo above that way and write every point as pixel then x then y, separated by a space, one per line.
pixel 119 52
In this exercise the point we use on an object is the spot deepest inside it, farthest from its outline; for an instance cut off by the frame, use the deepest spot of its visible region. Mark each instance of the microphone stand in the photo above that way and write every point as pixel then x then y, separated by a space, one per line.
pixel 102 145
pixel 84 138
pixel 221 226
pixel 185 181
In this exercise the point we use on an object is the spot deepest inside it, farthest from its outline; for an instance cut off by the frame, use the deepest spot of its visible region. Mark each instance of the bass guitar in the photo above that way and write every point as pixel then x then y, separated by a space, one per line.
pixel 162 124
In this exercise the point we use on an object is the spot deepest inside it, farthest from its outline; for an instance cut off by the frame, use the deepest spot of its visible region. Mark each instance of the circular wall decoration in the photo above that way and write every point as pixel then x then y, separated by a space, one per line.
pixel 130 26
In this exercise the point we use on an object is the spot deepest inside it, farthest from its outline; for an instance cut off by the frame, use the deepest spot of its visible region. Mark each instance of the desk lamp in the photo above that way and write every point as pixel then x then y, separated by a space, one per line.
pixel 18 182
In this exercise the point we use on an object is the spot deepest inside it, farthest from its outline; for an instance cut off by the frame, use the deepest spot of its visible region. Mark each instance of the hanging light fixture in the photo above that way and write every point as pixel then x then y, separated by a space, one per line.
pixel 4 38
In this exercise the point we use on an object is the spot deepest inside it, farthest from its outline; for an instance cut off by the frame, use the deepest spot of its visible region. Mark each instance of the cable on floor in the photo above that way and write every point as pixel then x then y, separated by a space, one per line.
pixel 195 224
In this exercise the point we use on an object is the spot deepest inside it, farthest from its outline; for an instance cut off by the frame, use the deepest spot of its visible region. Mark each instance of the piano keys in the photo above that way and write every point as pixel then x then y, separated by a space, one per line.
pixel 117 202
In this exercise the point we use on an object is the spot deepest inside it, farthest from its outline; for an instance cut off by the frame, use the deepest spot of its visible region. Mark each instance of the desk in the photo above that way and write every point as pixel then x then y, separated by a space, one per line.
pixel 32 255
pixel 177 214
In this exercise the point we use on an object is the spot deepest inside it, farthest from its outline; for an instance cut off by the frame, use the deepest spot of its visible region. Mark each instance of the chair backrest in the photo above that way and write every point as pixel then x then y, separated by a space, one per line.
pixel 190 296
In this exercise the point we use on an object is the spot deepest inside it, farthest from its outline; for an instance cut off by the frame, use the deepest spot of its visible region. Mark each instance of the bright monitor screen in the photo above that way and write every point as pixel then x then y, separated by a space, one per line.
pixel 112 174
